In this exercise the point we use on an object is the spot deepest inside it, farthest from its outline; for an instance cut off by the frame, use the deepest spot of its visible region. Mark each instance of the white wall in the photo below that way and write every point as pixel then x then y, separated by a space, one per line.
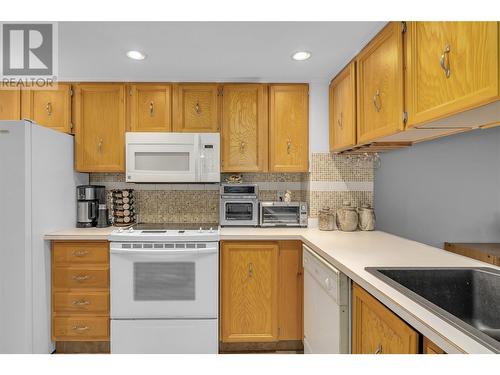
pixel 444 190
pixel 318 117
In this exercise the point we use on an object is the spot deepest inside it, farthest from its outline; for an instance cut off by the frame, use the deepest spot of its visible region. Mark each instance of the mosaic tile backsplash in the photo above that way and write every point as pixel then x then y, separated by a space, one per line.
pixel 332 180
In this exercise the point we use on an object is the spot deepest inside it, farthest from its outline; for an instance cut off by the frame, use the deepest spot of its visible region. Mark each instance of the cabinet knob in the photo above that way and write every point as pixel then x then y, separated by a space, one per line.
pixel 242 146
pixel 339 121
pixel 151 108
pixel 250 270
pixel 197 107
pixel 444 61
pixel 379 349
pixel 99 144
pixel 289 146
pixel 376 101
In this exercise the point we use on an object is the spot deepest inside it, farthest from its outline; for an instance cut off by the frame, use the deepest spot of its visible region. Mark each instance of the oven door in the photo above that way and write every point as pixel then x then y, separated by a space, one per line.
pixel 164 283
pixel 161 162
pixel 239 212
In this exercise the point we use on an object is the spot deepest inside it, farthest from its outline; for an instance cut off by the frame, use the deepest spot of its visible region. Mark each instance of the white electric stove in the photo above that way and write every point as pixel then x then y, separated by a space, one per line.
pixel 164 288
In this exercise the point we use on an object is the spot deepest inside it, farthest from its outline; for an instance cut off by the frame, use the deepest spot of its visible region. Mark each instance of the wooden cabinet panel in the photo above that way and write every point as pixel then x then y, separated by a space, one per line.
pixel 100 127
pixel 291 289
pixel 80 328
pixel 380 85
pixel 471 52
pixel 80 252
pixel 150 108
pixel 244 128
pixel 485 252
pixel 49 108
pixel 81 302
pixel 196 108
pixel 289 128
pixel 10 104
pixel 429 347
pixel 80 277
pixel 249 292
pixel 343 109
pixel 377 330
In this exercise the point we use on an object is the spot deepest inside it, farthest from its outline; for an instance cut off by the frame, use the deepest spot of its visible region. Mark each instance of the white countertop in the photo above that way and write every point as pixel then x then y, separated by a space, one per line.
pixel 351 252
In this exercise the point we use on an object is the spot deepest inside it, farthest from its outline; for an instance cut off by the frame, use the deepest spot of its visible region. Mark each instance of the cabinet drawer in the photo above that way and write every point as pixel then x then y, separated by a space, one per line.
pixel 80 328
pixel 74 277
pixel 75 302
pixel 80 252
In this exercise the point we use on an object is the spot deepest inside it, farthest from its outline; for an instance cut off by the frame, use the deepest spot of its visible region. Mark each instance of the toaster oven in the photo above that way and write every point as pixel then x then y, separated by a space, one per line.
pixel 283 214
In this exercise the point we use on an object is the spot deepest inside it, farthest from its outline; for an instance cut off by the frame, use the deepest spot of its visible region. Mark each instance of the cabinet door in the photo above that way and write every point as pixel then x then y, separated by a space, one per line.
pixel 289 128
pixel 100 127
pixel 343 109
pixel 150 108
pixel 451 67
pixel 429 347
pixel 244 128
pixel 377 330
pixel 10 104
pixel 291 286
pixel 249 292
pixel 196 108
pixel 49 108
pixel 380 85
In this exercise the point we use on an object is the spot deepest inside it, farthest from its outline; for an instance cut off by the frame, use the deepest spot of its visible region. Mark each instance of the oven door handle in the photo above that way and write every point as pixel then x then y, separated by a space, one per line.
pixel 165 252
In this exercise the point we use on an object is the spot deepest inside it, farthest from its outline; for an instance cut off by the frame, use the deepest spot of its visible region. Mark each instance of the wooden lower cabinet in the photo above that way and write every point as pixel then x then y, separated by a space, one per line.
pixel 377 330
pixel 80 296
pixel 261 295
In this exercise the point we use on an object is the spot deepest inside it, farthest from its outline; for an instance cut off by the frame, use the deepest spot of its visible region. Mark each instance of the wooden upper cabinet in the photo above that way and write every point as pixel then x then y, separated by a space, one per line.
pixel 49 108
pixel 377 330
pixel 380 85
pixel 451 67
pixel 100 127
pixel 196 108
pixel 249 291
pixel 10 104
pixel 289 128
pixel 150 108
pixel 244 128
pixel 343 109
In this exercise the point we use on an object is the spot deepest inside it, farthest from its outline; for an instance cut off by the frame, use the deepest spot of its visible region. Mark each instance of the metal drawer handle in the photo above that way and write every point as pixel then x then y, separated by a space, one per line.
pixel 376 101
pixel 151 108
pixel 99 144
pixel 379 349
pixel 48 108
pixel 80 253
pixel 81 278
pixel 81 302
pixel 445 61
pixel 242 146
pixel 197 107
pixel 80 328
pixel 250 270
pixel 289 146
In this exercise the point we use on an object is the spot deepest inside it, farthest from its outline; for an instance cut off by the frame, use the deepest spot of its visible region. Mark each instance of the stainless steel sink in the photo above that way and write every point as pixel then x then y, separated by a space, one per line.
pixel 468 298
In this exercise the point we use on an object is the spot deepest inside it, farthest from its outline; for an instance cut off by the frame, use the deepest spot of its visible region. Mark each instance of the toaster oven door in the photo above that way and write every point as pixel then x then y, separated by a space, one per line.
pixel 242 212
pixel 280 215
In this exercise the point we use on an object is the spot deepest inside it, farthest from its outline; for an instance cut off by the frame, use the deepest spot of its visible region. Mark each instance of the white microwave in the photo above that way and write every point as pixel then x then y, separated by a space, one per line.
pixel 172 157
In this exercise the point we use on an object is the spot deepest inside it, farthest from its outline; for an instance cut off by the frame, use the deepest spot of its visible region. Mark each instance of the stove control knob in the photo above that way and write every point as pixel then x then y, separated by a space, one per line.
pixel 211 230
pixel 120 230
pixel 130 230
pixel 200 230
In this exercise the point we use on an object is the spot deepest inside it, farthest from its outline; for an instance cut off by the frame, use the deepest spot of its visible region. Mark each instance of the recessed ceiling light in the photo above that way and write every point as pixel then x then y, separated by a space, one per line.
pixel 301 55
pixel 136 55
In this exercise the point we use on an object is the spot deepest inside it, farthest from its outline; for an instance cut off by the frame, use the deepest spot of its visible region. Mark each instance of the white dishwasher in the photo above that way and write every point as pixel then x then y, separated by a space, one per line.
pixel 326 306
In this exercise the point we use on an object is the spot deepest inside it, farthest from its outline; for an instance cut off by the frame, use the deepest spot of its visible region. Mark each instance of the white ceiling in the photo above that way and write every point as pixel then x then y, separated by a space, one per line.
pixel 206 51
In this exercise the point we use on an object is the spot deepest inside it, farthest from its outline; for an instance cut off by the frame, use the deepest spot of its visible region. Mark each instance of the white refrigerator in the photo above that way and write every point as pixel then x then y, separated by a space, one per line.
pixel 37 196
